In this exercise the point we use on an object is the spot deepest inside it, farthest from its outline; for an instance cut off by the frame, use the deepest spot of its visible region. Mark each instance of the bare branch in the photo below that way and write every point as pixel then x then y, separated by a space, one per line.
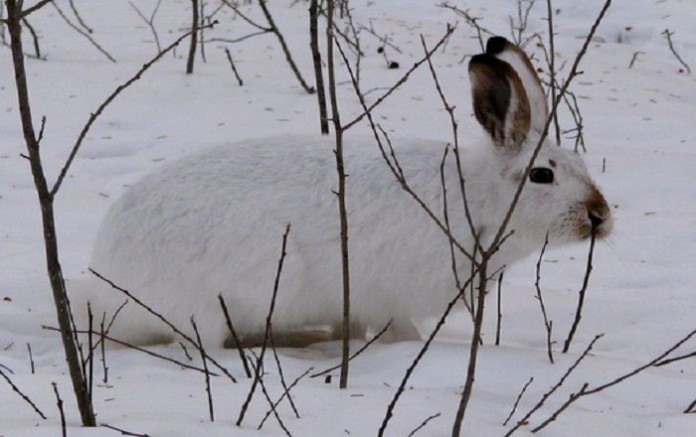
pixel 83 33
pixel 404 78
pixel 581 296
pixel 668 35
pixel 162 319
pixel 517 401
pixel 235 337
pixel 60 410
pixel 93 117
pixel 259 362
pixel 548 324
pixel 22 395
pixel 555 387
pixel 356 353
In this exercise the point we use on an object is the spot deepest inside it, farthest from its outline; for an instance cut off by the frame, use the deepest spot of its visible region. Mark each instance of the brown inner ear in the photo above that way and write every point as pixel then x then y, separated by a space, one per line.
pixel 500 101
pixel 520 114
pixel 491 97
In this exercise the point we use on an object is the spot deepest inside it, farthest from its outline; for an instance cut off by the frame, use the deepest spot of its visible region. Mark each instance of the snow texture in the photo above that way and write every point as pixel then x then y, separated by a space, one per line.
pixel 638 127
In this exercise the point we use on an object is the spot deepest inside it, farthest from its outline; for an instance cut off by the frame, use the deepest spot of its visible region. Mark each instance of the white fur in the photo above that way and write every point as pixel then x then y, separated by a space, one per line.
pixel 212 223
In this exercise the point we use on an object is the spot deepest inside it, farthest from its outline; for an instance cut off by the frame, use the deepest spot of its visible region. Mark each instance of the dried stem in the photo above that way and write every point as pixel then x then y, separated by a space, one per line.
pixel 150 22
pixel 234 68
pixel 209 393
pixel 341 193
pixel 95 115
pixel 316 59
pixel 555 387
pixel 193 42
pixel 259 362
pixel 584 391
pixel 668 35
pixel 59 402
pixel 517 401
pixel 22 395
pixel 83 33
pixel 581 295
pixel 31 359
pixel 46 198
pixel 123 432
pixel 162 319
pixel 499 306
pixel 356 353
pixel 401 81
pixel 143 350
pixel 235 337
pixel 548 324
pixel 284 46
pixel 423 424
pixel 285 393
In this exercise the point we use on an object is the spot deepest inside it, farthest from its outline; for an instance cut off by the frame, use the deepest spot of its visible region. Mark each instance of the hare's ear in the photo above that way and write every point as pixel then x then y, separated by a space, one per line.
pixel 500 101
pixel 506 51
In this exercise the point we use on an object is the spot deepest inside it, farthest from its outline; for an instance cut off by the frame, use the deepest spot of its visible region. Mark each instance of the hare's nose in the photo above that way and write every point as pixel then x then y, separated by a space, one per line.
pixel 595 219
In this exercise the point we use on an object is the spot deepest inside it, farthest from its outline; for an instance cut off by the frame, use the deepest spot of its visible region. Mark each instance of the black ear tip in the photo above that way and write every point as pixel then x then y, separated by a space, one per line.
pixel 496 44
pixel 482 59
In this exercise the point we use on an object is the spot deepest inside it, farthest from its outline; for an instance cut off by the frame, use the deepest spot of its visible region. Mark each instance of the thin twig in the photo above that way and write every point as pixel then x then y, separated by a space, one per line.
pixel 286 392
pixel 22 395
pixel 284 46
pixel 163 319
pixel 423 424
pixel 93 117
pixel 34 37
pixel 401 81
pixel 584 391
pixel 668 35
pixel 234 68
pixel 31 358
pixel 150 22
pixel 25 13
pixel 259 361
pixel 356 353
pixel 124 432
pixel 517 401
pixel 258 368
pixel 79 17
pixel 83 33
pixel 235 337
pixel 143 350
pixel 548 324
pixel 672 360
pixel 552 390
pixel 208 391
pixel 281 374
pixel 691 408
pixel 499 305
pixel 60 410
pixel 581 295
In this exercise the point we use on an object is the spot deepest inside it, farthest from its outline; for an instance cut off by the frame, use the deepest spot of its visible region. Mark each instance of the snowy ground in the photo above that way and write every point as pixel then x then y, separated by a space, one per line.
pixel 640 138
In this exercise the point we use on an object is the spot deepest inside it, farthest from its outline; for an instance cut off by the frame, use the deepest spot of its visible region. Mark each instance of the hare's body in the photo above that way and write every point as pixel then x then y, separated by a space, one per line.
pixel 212 223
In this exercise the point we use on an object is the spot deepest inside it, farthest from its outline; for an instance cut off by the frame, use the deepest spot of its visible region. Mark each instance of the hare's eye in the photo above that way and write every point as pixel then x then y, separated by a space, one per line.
pixel 541 175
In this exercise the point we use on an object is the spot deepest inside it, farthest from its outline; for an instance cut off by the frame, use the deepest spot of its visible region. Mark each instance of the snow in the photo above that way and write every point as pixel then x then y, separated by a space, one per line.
pixel 640 139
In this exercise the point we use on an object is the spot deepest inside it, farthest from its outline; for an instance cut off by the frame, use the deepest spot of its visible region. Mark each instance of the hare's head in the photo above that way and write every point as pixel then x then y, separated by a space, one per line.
pixel 559 198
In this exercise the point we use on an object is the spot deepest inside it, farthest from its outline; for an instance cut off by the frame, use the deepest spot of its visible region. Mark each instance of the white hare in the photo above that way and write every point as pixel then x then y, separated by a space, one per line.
pixel 212 223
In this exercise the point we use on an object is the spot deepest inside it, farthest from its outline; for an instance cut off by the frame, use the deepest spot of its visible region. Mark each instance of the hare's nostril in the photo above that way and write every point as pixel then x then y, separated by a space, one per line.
pixel 595 220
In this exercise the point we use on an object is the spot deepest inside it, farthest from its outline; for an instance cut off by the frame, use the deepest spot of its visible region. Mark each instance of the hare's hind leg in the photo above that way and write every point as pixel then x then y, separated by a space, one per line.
pixel 293 339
